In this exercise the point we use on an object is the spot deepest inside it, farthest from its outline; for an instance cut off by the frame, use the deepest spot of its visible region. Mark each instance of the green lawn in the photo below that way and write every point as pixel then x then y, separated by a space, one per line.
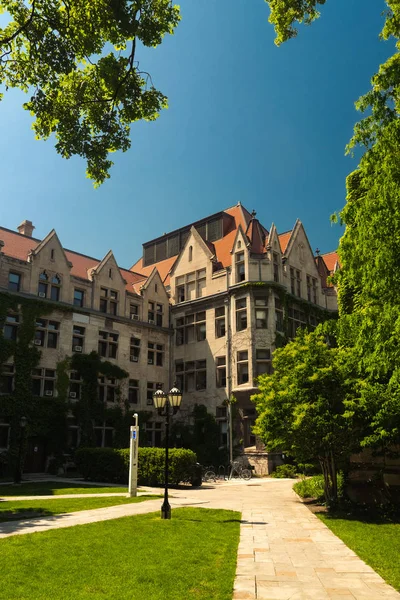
pixel 55 488
pixel 192 556
pixel 377 543
pixel 20 509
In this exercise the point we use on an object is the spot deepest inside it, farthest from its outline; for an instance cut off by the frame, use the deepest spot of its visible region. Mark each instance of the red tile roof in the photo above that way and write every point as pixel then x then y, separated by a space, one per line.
pixel 163 267
pixel 284 240
pixel 330 259
pixel 18 246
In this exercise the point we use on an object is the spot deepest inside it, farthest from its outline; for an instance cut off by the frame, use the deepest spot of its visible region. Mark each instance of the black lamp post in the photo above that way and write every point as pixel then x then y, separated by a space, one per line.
pixel 167 405
pixel 18 467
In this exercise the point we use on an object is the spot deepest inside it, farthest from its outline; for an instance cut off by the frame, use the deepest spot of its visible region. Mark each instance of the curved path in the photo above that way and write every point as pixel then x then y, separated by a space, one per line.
pixel 285 552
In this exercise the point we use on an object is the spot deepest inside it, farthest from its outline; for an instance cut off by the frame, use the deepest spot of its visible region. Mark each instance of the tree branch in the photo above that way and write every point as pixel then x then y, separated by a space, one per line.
pixel 16 33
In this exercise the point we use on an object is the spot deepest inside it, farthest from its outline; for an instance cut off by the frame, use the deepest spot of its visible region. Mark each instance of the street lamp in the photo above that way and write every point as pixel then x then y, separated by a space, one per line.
pixel 167 405
pixel 18 467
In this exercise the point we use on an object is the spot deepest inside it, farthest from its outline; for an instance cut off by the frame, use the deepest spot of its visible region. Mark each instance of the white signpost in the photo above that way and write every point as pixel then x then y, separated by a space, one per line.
pixel 133 457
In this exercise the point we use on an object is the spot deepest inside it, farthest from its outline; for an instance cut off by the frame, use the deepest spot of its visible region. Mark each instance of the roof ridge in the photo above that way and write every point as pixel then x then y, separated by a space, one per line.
pixel 26 237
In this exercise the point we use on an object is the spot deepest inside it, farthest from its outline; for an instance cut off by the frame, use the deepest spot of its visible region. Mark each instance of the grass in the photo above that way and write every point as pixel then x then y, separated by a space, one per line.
pixel 22 509
pixel 56 488
pixel 377 543
pixel 134 558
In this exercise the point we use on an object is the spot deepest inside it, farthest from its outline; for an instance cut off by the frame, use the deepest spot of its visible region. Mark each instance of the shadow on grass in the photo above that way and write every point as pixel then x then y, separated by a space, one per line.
pixel 17 514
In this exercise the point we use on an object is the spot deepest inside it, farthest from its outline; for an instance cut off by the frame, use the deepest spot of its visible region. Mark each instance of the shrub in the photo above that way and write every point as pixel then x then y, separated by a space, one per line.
pixel 313 487
pixel 285 472
pixel 110 465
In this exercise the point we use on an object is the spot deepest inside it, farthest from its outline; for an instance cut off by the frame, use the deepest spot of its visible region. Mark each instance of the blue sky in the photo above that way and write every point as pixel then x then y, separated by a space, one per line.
pixel 247 121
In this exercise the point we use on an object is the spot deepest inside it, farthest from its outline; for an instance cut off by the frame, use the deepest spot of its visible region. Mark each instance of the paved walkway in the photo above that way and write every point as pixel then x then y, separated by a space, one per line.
pixel 285 552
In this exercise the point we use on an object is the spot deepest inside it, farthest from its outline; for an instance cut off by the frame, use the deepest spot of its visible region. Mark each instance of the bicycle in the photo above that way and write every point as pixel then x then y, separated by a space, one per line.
pixel 209 474
pixel 238 470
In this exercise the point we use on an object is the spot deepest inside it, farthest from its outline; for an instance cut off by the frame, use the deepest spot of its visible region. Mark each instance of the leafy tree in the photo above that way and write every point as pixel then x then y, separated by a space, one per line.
pixel 309 406
pixel 77 59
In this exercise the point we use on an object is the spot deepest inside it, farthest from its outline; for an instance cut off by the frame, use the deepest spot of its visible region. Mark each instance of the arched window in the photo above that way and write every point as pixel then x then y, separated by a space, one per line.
pixel 190 253
pixel 55 288
pixel 43 285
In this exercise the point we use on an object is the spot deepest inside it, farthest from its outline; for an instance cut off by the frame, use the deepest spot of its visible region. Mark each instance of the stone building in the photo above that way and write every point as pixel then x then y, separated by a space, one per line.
pixel 205 306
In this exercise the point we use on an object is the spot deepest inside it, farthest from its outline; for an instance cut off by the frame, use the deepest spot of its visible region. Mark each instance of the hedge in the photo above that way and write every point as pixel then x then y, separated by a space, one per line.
pixel 112 465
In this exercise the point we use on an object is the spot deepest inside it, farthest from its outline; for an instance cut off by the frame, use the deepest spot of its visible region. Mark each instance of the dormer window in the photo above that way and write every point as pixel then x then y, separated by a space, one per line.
pixel 240 267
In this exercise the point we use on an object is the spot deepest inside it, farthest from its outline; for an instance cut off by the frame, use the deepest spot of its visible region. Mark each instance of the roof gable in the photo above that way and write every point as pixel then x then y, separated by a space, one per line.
pixel 51 239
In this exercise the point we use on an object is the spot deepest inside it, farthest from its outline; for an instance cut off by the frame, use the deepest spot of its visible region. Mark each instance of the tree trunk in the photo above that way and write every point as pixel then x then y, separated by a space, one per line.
pixel 328 467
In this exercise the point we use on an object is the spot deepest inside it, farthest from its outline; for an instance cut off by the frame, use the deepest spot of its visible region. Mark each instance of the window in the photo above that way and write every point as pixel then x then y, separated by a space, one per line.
pixel 151 313
pixel 314 290
pixel 220 363
pixel 104 434
pixel 43 382
pixel 190 286
pixel 220 329
pixel 311 289
pixel 190 253
pixel 108 301
pixel 6 379
pixel 279 323
pixel 4 434
pixel 10 330
pixel 52 254
pixel 298 283
pixel 78 338
pixel 263 362
pixel 275 259
pixel 296 319
pixel 191 328
pixel 261 312
pixel 241 314
pixel 151 388
pixel 107 389
pixel 43 285
pixel 55 288
pixel 108 344
pixel 240 268
pixel 191 376
pixel 14 282
pixel 133 391
pixel 159 314
pixel 75 382
pixel 134 349
pixel 46 333
pixel 134 312
pixel 155 354
pixel 79 296
pixel 242 367
pixel 153 433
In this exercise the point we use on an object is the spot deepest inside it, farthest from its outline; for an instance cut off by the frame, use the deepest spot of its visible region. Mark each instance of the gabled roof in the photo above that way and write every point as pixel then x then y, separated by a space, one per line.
pixel 331 260
pixel 284 239
pixel 18 246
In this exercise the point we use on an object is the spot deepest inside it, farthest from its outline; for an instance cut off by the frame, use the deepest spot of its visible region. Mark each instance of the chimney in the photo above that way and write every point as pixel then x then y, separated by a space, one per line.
pixel 26 228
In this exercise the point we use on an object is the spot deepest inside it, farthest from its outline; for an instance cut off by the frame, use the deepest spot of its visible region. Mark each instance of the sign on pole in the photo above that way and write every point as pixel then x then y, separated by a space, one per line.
pixel 133 457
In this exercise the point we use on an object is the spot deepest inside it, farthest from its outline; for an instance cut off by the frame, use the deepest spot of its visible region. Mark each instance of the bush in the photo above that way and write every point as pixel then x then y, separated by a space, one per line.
pixel 313 487
pixel 285 472
pixel 110 465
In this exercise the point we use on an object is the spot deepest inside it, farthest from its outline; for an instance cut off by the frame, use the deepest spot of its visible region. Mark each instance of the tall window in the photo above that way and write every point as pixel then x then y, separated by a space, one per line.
pixel 104 433
pixel 159 314
pixel 133 391
pixel 153 433
pixel 314 290
pixel 275 263
pixel 296 319
pixel 6 379
pixel 298 283
pixel 10 330
pixel 242 367
pixel 46 333
pixel 79 296
pixel 151 313
pixel 220 329
pixel 155 354
pixel 75 382
pixel 151 388
pixel 191 328
pixel 108 344
pixel 220 364
pixel 263 361
pixel 55 288
pixel 134 351
pixel 107 389
pixel 14 282
pixel 292 281
pixel 134 312
pixel 43 285
pixel 78 338
pixel 240 267
pixel 241 314
pixel 108 301
pixel 190 253
pixel 191 376
pixel 43 382
pixel 261 312
pixel 190 286
pixel 279 322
